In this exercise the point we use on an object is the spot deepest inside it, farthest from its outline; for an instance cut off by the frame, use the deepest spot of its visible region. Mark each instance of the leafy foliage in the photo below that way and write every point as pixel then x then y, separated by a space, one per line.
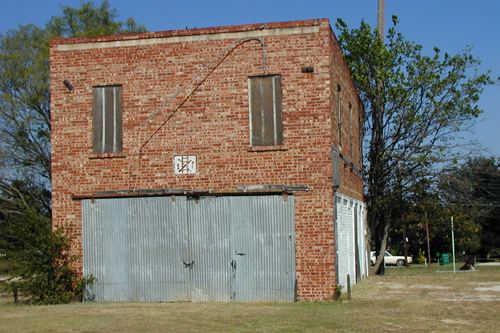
pixel 89 20
pixel 24 103
pixel 24 86
pixel 415 106
pixel 40 258
pixel 472 191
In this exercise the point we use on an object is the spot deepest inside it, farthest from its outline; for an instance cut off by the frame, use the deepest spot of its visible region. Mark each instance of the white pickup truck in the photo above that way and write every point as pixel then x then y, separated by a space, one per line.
pixel 390 259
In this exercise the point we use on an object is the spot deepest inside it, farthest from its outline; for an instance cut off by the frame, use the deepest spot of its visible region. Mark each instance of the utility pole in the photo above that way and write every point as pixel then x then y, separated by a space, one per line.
pixel 405 244
pixel 428 242
pixel 453 244
pixel 378 130
pixel 403 218
pixel 380 19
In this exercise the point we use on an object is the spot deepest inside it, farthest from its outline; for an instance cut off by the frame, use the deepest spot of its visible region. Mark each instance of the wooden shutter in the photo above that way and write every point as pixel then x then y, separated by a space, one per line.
pixel 350 132
pixel 118 145
pixel 97 120
pixel 339 115
pixel 107 119
pixel 265 111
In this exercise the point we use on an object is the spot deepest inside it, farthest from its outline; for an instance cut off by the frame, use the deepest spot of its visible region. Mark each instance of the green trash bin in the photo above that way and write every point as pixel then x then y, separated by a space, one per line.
pixel 445 259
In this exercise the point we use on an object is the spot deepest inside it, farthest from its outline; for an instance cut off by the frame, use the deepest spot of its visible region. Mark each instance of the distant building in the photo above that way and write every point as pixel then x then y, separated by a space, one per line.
pixel 209 164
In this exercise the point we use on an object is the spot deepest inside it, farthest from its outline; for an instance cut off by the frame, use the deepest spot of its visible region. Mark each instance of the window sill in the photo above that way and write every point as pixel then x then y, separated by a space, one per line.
pixel 267 148
pixel 94 156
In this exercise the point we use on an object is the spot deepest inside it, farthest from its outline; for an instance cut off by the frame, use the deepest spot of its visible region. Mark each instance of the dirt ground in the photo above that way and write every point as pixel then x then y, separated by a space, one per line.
pixel 413 299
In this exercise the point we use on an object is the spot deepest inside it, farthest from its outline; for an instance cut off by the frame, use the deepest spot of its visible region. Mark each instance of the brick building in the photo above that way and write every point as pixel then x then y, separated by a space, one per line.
pixel 209 164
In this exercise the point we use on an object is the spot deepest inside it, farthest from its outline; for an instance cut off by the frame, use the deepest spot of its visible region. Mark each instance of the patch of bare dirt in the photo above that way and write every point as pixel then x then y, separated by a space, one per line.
pixel 428 286
pixel 489 287
pixel 455 322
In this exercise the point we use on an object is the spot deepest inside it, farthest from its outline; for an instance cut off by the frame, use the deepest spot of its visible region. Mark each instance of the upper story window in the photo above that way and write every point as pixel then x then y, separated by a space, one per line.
pixel 361 134
pixel 339 114
pixel 107 134
pixel 266 121
pixel 350 131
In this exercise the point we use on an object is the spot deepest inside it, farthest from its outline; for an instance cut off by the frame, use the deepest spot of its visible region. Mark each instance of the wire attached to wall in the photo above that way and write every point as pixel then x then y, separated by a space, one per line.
pixel 193 87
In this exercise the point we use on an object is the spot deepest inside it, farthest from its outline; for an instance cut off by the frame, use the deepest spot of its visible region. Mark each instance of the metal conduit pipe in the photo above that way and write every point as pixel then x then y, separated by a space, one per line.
pixel 228 51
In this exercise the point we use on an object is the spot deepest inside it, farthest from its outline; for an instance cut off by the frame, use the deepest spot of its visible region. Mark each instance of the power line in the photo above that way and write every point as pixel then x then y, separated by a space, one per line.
pixel 472 204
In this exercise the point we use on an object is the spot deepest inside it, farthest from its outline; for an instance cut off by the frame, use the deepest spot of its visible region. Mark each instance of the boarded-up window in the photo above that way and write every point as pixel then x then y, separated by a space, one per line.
pixel 339 115
pixel 107 119
pixel 350 131
pixel 361 133
pixel 266 122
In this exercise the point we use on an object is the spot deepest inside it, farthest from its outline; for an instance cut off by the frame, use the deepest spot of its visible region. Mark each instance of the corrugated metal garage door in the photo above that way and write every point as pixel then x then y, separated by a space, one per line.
pixel 183 248
pixel 363 257
pixel 349 237
pixel 263 247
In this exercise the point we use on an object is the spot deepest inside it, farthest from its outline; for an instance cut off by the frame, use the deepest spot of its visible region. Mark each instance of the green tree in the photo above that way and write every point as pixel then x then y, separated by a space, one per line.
pixel 471 191
pixel 24 86
pixel 40 255
pixel 39 258
pixel 89 20
pixel 415 105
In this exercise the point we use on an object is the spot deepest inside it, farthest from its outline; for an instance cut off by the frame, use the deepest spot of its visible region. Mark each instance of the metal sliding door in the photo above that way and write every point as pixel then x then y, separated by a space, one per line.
pixel 209 220
pixel 263 248
pixel 349 238
pixel 344 246
pixel 134 248
pixel 190 249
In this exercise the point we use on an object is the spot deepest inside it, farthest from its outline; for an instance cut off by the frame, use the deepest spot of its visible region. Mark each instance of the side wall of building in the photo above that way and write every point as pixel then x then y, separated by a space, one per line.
pixel 346 138
pixel 347 115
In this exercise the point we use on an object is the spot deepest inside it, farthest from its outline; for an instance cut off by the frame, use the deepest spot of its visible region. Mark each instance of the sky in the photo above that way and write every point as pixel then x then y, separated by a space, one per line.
pixel 451 25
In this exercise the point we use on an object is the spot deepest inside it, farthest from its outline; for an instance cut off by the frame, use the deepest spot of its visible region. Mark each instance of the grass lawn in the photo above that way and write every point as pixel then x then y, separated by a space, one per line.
pixel 405 299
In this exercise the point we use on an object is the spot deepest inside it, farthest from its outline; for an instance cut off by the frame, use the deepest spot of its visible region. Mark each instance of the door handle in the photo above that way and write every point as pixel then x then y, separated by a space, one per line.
pixel 240 254
pixel 188 264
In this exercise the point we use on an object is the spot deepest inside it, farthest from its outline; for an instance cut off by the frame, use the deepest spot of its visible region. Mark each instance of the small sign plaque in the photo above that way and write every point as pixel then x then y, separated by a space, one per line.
pixel 184 164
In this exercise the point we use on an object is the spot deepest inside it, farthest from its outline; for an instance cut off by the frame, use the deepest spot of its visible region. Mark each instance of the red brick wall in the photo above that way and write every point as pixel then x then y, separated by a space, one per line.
pixel 213 124
pixel 352 120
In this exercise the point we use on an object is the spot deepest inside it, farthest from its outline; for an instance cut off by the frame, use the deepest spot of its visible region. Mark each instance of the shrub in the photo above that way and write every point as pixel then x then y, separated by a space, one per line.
pixel 420 259
pixel 45 273
pixel 40 258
